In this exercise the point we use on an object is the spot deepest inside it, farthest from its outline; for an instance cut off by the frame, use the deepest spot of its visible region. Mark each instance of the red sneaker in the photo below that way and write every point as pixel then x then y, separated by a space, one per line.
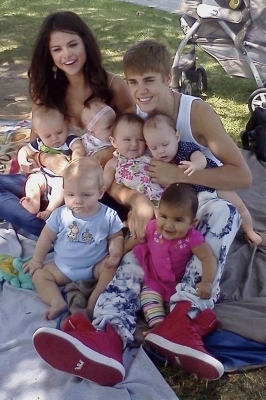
pixel 93 355
pixel 178 339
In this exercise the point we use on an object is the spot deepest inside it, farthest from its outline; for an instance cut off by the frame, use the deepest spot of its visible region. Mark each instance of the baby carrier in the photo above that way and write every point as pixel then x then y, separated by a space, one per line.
pixel 231 31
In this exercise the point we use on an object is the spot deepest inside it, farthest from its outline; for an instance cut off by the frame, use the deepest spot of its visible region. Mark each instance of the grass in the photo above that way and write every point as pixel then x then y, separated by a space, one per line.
pixel 117 25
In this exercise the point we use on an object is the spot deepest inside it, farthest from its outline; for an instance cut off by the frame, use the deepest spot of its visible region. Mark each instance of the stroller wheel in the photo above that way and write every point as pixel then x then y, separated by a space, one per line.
pixel 201 80
pixel 186 87
pixel 257 99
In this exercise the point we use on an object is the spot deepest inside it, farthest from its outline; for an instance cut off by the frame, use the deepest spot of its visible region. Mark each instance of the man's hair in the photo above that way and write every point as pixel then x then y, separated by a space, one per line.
pixel 181 195
pixel 129 118
pixel 148 55
pixel 153 120
pixel 84 168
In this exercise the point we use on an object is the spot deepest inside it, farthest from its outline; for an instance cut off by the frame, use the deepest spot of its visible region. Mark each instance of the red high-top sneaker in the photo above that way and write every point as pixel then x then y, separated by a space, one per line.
pixel 83 351
pixel 178 338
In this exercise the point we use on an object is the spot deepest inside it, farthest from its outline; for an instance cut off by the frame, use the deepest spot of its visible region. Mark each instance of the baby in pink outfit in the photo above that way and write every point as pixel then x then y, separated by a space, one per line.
pixel 171 239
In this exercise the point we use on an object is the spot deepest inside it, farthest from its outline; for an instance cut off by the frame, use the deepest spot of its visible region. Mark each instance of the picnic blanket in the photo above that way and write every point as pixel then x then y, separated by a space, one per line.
pixel 241 310
pixel 25 376
pixel 13 135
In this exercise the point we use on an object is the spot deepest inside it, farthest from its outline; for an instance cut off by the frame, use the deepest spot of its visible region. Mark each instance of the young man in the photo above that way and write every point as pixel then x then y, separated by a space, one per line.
pixel 147 67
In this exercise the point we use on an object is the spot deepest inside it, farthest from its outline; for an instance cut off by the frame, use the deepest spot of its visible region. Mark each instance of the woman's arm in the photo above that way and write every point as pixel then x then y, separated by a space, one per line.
pixel 208 130
pixel 122 100
pixel 141 208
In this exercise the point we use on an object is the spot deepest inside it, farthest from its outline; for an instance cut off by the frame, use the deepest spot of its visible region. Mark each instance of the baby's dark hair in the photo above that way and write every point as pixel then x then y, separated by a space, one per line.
pixel 129 118
pixel 181 195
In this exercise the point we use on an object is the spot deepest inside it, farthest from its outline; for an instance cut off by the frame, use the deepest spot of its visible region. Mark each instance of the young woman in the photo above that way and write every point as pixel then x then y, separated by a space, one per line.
pixel 65 72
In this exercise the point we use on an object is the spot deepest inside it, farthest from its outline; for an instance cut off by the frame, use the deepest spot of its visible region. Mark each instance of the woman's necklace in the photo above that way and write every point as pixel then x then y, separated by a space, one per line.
pixel 174 110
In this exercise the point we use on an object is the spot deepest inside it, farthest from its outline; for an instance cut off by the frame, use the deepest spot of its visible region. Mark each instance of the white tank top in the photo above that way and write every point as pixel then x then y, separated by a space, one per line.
pixel 183 125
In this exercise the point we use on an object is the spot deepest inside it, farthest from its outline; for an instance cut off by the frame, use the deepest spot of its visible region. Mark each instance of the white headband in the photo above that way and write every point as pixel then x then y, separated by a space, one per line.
pixel 97 116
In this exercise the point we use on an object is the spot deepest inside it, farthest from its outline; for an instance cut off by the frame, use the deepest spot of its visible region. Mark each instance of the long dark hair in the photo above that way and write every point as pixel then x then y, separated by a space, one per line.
pixel 46 90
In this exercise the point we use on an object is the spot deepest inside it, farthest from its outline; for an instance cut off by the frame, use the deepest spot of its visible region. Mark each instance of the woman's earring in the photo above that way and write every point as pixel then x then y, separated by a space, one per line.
pixel 54 69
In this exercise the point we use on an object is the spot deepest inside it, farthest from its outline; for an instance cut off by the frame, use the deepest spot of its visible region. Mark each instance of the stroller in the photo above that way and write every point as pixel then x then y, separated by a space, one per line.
pixel 231 31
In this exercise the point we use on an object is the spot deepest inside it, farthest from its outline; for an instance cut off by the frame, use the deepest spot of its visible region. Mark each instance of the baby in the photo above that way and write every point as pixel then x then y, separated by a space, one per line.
pixel 130 163
pixel 164 144
pixel 87 238
pixel 98 118
pixel 53 137
pixel 171 239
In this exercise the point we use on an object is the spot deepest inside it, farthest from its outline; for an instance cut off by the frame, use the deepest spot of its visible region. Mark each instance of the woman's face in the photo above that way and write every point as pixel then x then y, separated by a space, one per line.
pixel 148 90
pixel 68 52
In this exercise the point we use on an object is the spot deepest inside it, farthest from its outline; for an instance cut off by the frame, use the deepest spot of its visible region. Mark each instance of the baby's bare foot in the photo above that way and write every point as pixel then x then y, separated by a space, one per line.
pixel 30 205
pixel 55 310
pixel 254 237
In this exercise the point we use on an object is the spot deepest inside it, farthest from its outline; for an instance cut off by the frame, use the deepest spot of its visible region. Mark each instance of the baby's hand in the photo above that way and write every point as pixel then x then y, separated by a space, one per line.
pixel 26 166
pixel 204 290
pixel 31 266
pixel 188 167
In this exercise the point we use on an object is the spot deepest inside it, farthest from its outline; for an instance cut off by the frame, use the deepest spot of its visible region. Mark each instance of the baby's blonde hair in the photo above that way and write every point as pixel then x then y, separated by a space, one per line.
pixel 42 113
pixel 84 168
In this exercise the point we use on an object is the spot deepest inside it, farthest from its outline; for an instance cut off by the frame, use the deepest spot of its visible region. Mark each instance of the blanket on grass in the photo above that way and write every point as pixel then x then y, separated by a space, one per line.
pixel 241 310
pixel 13 135
pixel 25 376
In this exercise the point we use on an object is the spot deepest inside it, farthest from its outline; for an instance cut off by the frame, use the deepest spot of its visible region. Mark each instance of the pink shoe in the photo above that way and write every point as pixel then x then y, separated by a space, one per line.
pixel 178 338
pixel 84 352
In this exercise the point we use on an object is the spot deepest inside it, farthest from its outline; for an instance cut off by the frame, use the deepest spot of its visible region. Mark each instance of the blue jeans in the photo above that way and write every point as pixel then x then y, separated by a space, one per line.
pixel 11 191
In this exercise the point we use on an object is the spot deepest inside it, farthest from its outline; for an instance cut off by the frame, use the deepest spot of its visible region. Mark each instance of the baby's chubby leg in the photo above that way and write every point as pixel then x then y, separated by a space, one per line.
pixel 47 281
pixel 34 187
pixel 247 224
pixel 104 274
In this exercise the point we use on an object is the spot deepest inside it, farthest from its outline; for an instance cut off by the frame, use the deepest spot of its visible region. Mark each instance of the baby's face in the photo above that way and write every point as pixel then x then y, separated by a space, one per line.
pixel 173 222
pixel 52 132
pixel 129 140
pixel 103 128
pixel 162 141
pixel 82 195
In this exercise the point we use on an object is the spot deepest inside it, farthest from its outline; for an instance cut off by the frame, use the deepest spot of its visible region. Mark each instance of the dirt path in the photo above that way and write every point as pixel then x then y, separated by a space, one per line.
pixel 14 98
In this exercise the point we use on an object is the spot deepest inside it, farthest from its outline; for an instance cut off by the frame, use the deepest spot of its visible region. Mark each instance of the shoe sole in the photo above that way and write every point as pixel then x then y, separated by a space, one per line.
pixel 65 353
pixel 192 361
